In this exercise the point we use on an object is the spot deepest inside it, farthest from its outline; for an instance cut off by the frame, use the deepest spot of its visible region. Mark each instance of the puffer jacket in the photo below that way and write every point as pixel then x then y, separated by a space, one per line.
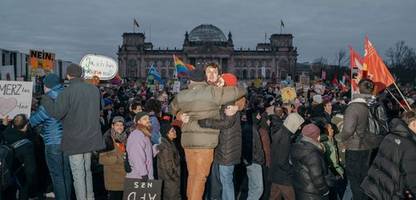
pixel 309 177
pixel 394 168
pixel 113 163
pixel 202 101
pixel 228 151
pixel 355 135
pixel 280 171
pixel 52 128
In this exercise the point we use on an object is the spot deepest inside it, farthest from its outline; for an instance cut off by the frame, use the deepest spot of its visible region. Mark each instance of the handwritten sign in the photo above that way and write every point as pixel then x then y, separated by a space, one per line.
pixel 15 98
pixel 96 65
pixel 135 189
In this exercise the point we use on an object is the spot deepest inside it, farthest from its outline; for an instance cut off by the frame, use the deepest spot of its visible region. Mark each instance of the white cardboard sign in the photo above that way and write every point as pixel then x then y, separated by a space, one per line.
pixel 15 98
pixel 97 65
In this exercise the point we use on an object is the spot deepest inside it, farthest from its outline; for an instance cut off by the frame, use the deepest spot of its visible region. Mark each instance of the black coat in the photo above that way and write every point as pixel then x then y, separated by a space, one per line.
pixel 280 170
pixel 309 170
pixel 394 168
pixel 252 148
pixel 228 151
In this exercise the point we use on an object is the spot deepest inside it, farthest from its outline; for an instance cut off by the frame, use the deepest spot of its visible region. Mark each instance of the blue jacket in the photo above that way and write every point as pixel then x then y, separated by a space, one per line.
pixel 52 128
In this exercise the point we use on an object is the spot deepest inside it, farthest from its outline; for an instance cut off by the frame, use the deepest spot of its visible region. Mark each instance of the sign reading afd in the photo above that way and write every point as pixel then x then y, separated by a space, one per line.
pixel 97 65
pixel 135 189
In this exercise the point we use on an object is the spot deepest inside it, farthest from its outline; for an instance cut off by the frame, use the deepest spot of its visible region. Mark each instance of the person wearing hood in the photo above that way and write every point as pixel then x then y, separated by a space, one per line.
pixel 57 162
pixel 392 174
pixel 112 158
pixel 309 166
pixel 168 162
pixel 356 139
pixel 280 170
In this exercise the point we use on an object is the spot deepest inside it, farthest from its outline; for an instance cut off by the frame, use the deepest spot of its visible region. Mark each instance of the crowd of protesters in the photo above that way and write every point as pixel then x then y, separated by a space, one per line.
pixel 214 139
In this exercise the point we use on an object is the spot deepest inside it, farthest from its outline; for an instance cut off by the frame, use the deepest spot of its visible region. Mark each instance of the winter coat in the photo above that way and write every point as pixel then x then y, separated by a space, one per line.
pixel 155 138
pixel 113 163
pixel 169 169
pixel 228 151
pixel 355 135
pixel 140 155
pixel 309 170
pixel 252 148
pixel 78 107
pixel 332 156
pixel 202 101
pixel 280 170
pixel 394 168
pixel 52 128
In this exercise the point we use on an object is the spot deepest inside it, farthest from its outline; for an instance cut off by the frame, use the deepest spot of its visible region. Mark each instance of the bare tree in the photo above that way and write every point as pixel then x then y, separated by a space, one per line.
pixel 401 55
pixel 341 57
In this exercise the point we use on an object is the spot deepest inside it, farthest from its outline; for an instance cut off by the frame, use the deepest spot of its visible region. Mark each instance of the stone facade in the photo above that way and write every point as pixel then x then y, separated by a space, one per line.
pixel 207 44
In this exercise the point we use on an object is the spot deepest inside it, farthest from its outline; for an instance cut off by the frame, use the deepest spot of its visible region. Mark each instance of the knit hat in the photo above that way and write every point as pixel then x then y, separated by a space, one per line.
pixel 118 119
pixel 51 80
pixel 139 115
pixel 74 70
pixel 229 79
pixel 311 131
pixel 165 127
pixel 197 75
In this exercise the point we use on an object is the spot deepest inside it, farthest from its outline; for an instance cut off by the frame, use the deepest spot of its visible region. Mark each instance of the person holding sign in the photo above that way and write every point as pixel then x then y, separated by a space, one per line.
pixel 78 107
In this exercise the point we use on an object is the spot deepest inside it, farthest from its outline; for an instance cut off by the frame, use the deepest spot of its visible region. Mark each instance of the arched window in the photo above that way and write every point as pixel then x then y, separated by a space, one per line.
pixel 259 75
pixel 245 74
pixel 268 73
pixel 252 74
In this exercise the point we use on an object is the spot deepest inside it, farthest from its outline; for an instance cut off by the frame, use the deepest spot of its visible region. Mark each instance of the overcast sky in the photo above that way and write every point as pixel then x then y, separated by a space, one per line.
pixel 73 28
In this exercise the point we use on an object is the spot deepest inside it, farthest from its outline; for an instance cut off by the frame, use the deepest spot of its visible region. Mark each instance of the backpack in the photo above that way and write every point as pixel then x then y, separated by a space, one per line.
pixel 6 163
pixel 376 126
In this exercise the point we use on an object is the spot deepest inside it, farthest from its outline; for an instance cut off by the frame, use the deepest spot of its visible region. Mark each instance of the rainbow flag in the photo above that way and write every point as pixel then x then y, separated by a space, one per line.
pixel 181 67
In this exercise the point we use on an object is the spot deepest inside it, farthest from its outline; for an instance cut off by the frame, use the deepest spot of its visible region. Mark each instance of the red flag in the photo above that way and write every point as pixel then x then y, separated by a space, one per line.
pixel 335 79
pixel 376 69
pixel 356 63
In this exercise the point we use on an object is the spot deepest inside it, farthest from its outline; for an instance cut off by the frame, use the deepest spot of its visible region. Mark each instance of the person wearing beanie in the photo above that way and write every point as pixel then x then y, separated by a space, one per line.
pixel 280 169
pixel 78 108
pixel 201 101
pixel 168 162
pixel 52 130
pixel 112 158
pixel 140 151
pixel 309 167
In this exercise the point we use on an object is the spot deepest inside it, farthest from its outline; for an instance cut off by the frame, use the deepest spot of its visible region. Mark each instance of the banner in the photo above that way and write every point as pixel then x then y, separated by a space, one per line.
pixel 15 98
pixel 41 62
pixel 135 189
pixel 97 65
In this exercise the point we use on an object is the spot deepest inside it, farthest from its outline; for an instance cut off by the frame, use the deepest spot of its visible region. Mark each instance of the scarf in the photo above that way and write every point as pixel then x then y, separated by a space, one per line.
pixel 119 137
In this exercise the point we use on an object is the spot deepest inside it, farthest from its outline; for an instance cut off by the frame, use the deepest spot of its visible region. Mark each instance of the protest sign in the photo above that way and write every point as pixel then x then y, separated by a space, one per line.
pixel 176 86
pixel 135 189
pixel 41 62
pixel 97 65
pixel 15 98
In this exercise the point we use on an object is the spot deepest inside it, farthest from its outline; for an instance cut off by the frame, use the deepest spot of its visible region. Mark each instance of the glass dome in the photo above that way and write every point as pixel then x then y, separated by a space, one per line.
pixel 207 33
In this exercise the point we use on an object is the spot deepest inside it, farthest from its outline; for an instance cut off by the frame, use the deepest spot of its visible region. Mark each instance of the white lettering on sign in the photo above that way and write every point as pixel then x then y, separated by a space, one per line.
pixel 143 185
pixel 146 196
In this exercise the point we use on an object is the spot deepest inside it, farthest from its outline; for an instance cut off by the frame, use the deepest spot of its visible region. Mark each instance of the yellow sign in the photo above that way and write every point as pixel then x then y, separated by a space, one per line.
pixel 42 59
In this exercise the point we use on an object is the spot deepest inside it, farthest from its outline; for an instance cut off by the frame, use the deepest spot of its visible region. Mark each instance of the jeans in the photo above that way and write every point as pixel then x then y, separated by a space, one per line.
pixel 58 165
pixel 357 164
pixel 226 177
pixel 199 164
pixel 214 188
pixel 255 181
pixel 81 172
